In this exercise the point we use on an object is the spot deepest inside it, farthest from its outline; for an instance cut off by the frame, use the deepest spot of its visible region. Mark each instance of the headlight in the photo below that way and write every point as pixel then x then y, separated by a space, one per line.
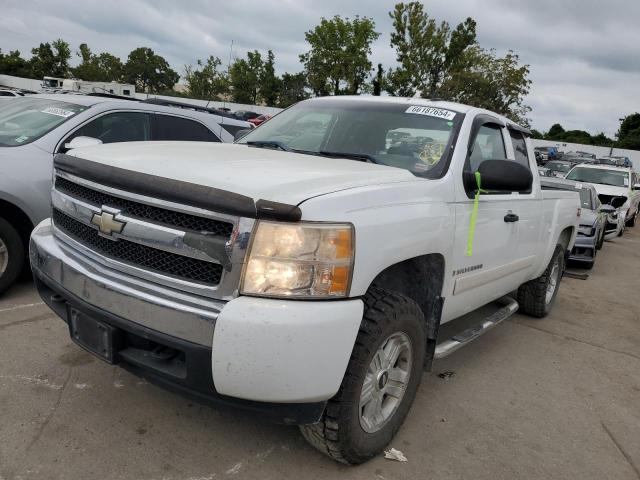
pixel 310 260
pixel 585 230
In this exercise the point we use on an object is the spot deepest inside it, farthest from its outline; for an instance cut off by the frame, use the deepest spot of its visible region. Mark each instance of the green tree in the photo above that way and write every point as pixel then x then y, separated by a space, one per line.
pixel 12 63
pixel 555 132
pixel 42 61
pixel 97 68
pixel 629 132
pixel 377 85
pixel 148 71
pixel 602 140
pixel 338 60
pixel 206 81
pixel 485 80
pixel 292 89
pixel 428 53
pixel 87 69
pixel 270 84
pixel 537 134
pixel 576 136
pixel 244 76
pixel 110 67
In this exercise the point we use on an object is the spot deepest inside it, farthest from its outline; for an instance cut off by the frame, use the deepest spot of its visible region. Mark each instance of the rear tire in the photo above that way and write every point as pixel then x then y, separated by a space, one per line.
pixel 12 255
pixel 537 296
pixel 348 431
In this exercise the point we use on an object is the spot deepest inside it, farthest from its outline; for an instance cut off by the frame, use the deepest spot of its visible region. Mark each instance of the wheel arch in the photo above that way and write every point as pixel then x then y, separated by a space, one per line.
pixel 565 238
pixel 421 279
pixel 18 218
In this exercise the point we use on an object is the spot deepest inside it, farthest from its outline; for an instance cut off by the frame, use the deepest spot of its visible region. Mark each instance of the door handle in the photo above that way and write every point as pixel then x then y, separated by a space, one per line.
pixel 511 217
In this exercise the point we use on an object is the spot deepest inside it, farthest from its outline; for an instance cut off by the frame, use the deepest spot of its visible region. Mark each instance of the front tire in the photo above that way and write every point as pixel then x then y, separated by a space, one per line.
pixel 12 255
pixel 537 296
pixel 380 383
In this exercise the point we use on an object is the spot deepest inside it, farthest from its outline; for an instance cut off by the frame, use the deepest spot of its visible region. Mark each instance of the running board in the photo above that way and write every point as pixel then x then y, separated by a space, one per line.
pixel 460 340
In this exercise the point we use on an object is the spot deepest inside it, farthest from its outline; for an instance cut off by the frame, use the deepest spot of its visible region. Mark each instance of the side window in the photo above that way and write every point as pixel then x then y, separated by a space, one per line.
pixel 116 127
pixel 488 145
pixel 519 148
pixel 176 128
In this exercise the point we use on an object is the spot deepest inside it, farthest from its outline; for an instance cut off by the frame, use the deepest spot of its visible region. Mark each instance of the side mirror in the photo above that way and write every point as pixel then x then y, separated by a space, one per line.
pixel 636 186
pixel 79 142
pixel 500 175
pixel 240 133
pixel 608 209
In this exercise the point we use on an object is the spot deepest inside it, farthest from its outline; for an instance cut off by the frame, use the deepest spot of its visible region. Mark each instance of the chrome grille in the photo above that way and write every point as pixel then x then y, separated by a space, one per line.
pixel 170 218
pixel 166 263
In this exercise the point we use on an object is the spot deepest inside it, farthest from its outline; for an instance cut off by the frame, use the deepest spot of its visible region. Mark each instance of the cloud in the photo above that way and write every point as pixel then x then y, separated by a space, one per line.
pixel 583 54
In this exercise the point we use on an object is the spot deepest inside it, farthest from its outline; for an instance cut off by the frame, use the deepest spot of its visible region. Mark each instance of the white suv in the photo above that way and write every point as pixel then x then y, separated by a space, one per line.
pixel 617 186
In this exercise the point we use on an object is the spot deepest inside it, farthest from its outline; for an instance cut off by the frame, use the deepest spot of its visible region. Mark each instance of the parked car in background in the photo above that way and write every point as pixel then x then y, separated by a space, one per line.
pixel 578 157
pixel 616 186
pixel 259 119
pixel 544 172
pixel 593 220
pixel 618 161
pixel 6 94
pixel 547 153
pixel 559 168
pixel 34 128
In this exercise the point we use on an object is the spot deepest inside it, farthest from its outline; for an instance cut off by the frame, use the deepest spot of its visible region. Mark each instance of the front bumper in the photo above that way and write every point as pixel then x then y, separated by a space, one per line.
pixel 281 359
pixel 584 249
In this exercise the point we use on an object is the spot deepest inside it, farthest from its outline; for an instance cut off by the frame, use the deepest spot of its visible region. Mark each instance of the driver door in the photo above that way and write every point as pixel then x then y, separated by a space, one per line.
pixel 506 229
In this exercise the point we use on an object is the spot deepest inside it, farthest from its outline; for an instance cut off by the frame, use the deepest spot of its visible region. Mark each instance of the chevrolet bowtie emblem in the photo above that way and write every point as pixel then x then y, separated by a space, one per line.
pixel 107 223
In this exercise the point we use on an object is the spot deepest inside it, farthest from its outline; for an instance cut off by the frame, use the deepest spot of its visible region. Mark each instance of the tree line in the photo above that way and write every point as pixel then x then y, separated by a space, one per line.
pixel 628 135
pixel 433 60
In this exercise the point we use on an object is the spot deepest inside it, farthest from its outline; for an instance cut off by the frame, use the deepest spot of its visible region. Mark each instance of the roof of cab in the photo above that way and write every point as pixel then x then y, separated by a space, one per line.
pixel 456 107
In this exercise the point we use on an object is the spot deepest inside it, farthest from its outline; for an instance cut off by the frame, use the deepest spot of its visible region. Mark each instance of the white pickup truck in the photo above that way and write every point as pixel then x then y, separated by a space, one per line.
pixel 307 272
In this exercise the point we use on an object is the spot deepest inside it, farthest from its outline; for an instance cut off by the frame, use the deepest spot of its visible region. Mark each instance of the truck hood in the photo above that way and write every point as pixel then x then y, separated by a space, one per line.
pixel 609 189
pixel 258 173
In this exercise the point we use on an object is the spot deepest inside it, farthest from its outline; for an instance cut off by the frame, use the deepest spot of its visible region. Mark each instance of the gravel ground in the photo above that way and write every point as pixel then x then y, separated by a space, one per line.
pixel 552 398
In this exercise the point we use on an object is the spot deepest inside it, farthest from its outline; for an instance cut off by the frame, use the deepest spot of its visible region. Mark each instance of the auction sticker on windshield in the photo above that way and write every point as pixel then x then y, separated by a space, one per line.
pixel 431 112
pixel 60 112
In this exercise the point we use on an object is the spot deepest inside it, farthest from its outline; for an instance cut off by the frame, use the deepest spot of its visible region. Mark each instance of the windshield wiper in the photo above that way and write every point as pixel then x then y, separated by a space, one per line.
pixel 269 144
pixel 363 157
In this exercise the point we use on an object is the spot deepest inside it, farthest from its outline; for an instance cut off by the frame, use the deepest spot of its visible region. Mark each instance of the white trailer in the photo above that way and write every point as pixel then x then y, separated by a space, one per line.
pixel 114 88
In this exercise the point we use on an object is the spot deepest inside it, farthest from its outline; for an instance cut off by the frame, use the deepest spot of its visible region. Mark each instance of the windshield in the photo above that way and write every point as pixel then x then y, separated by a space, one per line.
pixel 413 137
pixel 602 176
pixel 558 167
pixel 23 120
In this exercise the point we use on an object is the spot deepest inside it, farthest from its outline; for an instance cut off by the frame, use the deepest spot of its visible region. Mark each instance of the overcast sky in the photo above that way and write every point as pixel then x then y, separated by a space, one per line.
pixel 584 54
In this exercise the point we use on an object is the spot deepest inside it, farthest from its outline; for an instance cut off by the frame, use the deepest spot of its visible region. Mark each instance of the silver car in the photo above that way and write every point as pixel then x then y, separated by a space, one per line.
pixel 34 128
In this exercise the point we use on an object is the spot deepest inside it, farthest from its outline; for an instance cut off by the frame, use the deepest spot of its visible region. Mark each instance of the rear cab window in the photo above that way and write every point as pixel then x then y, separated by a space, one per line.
pixel 519 148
